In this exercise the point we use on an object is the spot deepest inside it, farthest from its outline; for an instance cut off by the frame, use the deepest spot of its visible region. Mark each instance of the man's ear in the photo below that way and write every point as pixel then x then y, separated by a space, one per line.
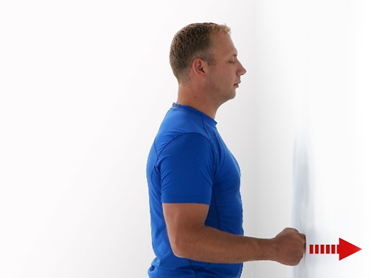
pixel 199 67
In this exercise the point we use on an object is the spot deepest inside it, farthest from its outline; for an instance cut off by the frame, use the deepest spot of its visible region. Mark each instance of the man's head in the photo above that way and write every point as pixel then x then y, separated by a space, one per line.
pixel 193 41
pixel 204 60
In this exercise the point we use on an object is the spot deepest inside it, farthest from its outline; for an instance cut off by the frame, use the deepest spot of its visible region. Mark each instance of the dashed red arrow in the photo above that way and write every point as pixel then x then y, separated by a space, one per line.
pixel 344 249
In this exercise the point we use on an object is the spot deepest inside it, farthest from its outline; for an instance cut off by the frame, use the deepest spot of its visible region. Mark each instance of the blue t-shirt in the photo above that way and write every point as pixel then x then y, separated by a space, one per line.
pixel 189 163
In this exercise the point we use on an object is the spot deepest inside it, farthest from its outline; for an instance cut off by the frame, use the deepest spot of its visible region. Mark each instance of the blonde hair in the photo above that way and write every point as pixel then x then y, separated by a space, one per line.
pixel 193 41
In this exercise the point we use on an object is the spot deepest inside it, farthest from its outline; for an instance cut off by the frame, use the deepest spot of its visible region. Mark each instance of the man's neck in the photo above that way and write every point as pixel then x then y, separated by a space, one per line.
pixel 197 100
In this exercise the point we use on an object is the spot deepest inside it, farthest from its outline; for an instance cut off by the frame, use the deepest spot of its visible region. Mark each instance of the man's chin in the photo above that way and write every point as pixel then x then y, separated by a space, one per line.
pixel 233 94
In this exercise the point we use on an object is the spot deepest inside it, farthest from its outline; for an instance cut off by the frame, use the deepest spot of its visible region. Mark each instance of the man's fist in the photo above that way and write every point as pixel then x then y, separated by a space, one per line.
pixel 289 246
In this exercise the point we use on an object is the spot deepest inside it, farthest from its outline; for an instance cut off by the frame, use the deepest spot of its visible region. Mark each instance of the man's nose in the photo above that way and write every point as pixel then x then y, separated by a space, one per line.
pixel 241 70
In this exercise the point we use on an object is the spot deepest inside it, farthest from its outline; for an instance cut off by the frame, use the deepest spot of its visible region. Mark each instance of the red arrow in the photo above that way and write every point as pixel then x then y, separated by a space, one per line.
pixel 344 249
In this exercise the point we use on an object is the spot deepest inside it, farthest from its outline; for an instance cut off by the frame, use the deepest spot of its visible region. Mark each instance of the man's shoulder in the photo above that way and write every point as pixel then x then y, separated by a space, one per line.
pixel 180 121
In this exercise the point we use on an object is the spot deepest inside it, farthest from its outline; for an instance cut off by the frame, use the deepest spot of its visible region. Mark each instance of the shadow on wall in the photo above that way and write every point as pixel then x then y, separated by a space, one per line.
pixel 303 212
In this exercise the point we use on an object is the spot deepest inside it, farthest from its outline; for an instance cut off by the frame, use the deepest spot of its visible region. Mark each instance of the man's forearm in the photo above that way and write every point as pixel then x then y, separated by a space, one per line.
pixel 207 244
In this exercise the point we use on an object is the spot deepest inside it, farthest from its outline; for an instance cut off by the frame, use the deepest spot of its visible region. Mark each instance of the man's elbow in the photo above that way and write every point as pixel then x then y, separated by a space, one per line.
pixel 179 252
pixel 181 248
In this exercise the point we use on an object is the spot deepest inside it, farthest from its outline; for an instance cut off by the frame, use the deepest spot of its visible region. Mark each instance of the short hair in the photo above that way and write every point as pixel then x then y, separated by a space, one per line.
pixel 193 41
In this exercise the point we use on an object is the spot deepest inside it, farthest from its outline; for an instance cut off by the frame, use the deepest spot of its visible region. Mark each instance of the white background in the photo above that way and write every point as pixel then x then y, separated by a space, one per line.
pixel 85 84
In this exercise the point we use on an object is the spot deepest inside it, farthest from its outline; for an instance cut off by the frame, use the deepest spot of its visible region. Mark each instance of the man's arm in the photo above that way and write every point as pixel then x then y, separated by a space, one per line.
pixel 190 238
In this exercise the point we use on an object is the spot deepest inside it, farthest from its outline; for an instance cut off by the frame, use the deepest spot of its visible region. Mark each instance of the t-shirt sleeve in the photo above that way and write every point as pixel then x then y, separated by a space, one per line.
pixel 187 167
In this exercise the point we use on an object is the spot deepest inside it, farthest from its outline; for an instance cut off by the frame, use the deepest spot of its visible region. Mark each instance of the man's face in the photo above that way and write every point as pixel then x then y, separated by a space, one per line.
pixel 224 76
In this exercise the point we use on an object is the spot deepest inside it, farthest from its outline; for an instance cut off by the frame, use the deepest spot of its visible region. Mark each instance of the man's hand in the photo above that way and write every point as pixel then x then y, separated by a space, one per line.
pixel 289 246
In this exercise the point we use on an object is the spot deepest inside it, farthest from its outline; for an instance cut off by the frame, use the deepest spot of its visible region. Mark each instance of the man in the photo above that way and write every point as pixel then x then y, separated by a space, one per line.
pixel 194 180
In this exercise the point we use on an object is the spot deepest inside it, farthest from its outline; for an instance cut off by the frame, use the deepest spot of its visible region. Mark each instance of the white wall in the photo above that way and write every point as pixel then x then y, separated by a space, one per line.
pixel 338 199
pixel 84 86
pixel 324 55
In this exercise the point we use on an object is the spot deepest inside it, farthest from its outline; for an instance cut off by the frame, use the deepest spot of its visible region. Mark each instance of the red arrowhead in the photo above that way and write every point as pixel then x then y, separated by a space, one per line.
pixel 346 249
